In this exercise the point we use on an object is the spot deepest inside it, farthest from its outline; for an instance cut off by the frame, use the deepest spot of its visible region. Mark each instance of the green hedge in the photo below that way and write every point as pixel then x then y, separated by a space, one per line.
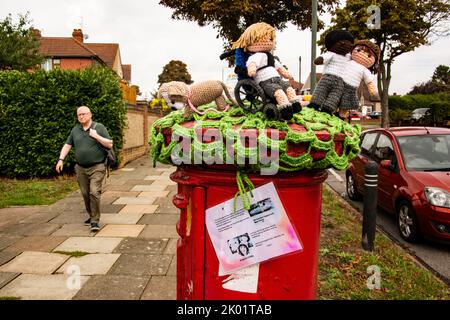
pixel 38 110
pixel 400 107
pixel 415 101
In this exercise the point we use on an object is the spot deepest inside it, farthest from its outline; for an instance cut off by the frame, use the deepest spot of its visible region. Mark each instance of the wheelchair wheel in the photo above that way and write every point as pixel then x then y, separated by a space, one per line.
pixel 249 95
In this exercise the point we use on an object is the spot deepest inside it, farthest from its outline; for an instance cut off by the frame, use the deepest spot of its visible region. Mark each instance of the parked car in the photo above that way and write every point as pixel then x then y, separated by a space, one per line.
pixel 357 116
pixel 420 115
pixel 413 178
pixel 375 114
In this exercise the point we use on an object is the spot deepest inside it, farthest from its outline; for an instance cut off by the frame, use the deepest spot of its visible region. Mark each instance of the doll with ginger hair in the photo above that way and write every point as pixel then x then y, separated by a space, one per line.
pixel 258 40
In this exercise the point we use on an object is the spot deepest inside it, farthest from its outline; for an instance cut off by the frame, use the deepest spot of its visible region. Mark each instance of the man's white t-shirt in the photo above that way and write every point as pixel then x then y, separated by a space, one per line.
pixel 354 73
pixel 334 63
pixel 260 58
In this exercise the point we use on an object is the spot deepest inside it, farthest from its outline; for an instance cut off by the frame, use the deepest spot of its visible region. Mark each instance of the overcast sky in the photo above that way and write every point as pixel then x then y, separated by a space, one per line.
pixel 149 39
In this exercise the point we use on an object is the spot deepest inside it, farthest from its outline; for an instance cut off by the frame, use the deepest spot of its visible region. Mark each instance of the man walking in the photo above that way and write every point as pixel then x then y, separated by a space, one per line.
pixel 87 137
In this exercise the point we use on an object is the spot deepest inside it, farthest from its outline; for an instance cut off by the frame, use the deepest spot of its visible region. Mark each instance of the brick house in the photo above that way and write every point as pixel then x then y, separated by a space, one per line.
pixel 72 53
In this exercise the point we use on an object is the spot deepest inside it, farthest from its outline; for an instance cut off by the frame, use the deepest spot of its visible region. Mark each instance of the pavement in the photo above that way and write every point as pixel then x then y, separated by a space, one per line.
pixel 46 252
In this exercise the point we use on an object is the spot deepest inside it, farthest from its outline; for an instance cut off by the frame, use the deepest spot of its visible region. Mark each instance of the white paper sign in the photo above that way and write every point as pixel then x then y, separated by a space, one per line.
pixel 244 280
pixel 244 238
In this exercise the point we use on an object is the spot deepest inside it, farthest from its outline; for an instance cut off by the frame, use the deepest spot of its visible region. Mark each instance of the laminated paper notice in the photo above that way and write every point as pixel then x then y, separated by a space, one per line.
pixel 244 238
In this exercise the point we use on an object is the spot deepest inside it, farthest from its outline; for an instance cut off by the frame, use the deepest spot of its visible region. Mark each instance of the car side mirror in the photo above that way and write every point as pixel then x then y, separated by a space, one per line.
pixel 387 164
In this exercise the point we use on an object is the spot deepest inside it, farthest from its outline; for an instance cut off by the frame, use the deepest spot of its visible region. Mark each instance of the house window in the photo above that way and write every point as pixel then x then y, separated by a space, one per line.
pixel 56 63
pixel 47 64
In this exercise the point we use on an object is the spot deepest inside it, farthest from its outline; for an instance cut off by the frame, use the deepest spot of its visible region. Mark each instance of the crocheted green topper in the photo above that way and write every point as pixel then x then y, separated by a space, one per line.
pixel 311 140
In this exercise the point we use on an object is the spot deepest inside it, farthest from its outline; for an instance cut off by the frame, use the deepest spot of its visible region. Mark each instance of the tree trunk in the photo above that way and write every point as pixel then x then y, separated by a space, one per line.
pixel 385 106
pixel 384 80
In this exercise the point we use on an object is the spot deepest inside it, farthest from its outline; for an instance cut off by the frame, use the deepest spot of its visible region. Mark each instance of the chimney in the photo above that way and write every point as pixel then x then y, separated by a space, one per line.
pixel 77 34
pixel 36 33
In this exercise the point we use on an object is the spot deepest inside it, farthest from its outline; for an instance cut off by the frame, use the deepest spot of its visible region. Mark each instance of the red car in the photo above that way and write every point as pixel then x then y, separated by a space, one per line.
pixel 413 178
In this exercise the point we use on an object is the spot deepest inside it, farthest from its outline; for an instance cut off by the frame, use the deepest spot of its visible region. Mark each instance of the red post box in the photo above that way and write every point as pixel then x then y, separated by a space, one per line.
pixel 288 277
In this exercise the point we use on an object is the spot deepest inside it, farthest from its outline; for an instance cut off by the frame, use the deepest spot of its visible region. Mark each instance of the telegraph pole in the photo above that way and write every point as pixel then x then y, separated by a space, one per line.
pixel 313 44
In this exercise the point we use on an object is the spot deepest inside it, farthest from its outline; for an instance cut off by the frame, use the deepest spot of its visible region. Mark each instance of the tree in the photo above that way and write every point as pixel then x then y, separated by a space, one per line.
pixel 175 70
pixel 19 47
pixel 231 18
pixel 440 82
pixel 405 25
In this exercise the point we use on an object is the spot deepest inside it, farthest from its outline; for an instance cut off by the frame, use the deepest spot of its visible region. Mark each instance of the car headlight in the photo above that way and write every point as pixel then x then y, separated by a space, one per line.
pixel 438 197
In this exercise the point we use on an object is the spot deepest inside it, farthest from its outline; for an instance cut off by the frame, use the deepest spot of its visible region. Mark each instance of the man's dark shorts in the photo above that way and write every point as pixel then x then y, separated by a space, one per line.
pixel 271 85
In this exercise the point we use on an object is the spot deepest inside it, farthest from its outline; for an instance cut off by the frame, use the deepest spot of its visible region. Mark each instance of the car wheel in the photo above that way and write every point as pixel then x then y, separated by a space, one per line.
pixel 407 222
pixel 352 191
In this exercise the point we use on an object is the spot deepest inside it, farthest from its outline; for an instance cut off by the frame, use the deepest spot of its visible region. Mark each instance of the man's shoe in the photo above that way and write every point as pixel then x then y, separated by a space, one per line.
pixel 94 226
pixel 87 222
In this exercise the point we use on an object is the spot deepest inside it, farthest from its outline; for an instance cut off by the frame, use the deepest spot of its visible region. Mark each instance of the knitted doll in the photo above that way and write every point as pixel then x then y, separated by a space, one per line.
pixel 327 94
pixel 259 40
pixel 365 56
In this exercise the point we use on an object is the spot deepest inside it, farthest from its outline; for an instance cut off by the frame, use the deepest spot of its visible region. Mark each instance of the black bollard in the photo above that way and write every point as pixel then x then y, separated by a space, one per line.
pixel 370 205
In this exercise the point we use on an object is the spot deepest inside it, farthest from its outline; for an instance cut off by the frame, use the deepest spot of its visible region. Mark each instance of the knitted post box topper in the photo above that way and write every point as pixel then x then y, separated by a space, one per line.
pixel 327 94
pixel 259 40
pixel 178 95
pixel 365 57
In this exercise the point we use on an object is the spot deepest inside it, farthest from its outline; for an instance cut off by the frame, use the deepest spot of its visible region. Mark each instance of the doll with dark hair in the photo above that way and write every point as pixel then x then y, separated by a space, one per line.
pixel 327 94
pixel 364 61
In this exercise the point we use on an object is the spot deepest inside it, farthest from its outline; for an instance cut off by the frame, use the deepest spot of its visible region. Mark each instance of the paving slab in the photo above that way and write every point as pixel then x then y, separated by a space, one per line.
pixel 42 287
pixel 135 200
pixel 74 230
pixel 118 187
pixel 13 215
pixel 161 288
pixel 7 240
pixel 40 217
pixel 142 246
pixel 173 267
pixel 133 182
pixel 167 208
pixel 7 277
pixel 70 218
pixel 35 263
pixel 120 218
pixel 154 194
pixel 90 264
pixel 141 264
pixel 171 247
pixel 113 287
pixel 158 218
pixel 118 194
pixel 111 208
pixel 6 256
pixel 172 187
pixel 90 245
pixel 31 229
pixel 159 231
pixel 105 200
pixel 139 208
pixel 36 243
pixel 150 187
pixel 157 177
pixel 164 182
pixel 120 230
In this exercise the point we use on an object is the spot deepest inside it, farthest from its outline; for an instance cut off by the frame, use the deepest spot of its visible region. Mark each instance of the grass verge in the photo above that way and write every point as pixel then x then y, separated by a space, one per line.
pixel 14 192
pixel 346 271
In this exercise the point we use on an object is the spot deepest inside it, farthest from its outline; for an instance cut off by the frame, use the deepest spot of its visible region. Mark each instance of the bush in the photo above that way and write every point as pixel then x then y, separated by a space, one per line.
pixel 38 110
pixel 411 102
pixel 440 112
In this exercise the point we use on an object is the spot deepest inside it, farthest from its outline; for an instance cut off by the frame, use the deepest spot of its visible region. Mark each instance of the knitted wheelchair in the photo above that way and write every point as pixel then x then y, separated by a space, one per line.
pixel 248 94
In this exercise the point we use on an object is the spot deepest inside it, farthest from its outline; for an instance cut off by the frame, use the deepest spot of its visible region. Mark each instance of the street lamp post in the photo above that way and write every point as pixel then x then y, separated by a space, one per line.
pixel 313 44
